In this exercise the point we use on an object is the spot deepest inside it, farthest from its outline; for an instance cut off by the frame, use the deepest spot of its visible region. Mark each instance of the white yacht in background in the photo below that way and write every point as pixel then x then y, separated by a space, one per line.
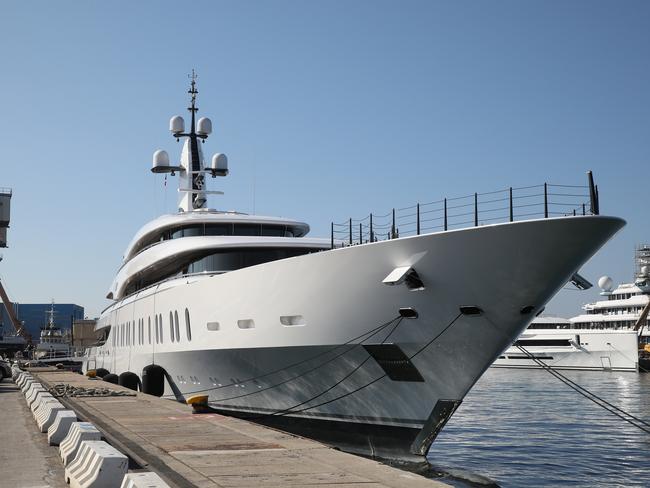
pixel 555 342
pixel 370 347
pixel 608 336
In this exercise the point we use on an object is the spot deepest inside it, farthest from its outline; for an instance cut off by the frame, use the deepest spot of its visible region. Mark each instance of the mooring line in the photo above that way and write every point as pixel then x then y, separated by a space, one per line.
pixel 369 333
pixel 614 410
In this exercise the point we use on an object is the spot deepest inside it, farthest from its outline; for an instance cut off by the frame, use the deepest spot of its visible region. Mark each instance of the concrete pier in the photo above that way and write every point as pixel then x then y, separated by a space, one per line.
pixel 26 460
pixel 211 450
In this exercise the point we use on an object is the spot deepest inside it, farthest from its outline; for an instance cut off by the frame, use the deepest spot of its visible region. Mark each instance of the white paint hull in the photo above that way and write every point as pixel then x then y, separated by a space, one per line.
pixel 599 350
pixel 502 269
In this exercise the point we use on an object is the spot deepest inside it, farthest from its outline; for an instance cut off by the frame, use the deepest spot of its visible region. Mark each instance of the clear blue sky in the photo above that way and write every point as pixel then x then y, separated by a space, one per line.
pixel 333 109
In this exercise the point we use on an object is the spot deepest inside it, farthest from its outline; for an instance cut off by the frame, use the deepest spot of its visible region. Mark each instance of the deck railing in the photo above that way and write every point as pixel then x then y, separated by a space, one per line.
pixel 545 200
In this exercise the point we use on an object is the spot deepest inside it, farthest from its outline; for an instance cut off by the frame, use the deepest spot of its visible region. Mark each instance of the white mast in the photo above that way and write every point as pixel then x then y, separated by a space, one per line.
pixel 192 166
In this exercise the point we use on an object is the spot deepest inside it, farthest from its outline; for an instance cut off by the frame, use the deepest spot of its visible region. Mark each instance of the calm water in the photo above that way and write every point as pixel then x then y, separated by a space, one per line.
pixel 526 428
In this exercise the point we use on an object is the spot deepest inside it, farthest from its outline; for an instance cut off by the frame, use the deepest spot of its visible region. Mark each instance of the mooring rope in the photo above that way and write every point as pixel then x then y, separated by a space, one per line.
pixel 344 395
pixel 369 333
pixel 601 402
pixel 66 390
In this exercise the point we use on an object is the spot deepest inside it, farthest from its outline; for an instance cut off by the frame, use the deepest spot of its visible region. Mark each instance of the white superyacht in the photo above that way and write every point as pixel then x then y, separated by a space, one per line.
pixel 370 347
pixel 607 336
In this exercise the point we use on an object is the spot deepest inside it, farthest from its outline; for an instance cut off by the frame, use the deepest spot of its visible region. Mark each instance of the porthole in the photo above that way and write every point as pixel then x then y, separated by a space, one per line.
pixel 246 324
pixel 292 320
pixel 213 325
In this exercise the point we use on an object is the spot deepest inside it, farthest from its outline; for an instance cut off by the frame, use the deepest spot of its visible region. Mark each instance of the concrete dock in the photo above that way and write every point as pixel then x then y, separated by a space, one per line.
pixel 199 450
pixel 26 460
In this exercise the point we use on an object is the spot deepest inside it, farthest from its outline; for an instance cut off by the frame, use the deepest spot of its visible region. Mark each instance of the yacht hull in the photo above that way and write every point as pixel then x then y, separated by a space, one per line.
pixel 289 342
pixel 593 350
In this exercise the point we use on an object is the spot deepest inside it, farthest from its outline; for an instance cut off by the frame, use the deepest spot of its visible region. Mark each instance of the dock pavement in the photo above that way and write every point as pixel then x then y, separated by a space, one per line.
pixel 202 450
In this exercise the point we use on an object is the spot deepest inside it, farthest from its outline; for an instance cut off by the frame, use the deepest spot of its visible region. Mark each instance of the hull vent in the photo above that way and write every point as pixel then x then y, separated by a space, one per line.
pixel 394 362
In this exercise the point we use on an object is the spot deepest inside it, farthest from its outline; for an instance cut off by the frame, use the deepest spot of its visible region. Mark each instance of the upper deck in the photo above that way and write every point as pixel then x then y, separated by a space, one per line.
pixel 211 223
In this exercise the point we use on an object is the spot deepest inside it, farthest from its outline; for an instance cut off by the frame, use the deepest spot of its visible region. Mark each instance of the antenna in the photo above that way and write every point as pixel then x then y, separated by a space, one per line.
pixel 192 167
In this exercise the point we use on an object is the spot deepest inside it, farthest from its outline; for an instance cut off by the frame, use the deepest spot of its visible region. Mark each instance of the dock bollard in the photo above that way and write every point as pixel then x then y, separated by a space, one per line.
pixel 143 480
pixel 97 464
pixel 79 432
pixel 199 403
pixel 60 427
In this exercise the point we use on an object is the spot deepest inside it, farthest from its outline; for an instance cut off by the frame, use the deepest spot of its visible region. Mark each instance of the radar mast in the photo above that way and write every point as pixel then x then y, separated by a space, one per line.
pixel 191 168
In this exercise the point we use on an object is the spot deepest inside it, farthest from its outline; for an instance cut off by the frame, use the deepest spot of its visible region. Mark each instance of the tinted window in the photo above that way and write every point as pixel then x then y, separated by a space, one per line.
pixel 248 229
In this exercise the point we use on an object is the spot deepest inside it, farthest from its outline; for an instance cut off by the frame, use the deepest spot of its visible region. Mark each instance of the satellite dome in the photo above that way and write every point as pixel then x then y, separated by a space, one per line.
pixel 176 124
pixel 605 283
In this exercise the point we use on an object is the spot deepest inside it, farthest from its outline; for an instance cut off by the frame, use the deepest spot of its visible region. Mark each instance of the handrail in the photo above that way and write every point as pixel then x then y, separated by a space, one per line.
pixel 507 205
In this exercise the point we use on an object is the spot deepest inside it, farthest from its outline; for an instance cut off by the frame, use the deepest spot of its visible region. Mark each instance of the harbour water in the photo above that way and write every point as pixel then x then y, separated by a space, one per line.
pixel 526 428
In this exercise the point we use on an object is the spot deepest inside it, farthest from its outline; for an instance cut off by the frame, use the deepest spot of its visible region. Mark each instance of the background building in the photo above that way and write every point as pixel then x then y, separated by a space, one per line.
pixel 83 333
pixel 35 317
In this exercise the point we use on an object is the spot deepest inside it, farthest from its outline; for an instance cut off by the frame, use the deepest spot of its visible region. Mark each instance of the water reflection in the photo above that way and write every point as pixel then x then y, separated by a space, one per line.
pixel 526 428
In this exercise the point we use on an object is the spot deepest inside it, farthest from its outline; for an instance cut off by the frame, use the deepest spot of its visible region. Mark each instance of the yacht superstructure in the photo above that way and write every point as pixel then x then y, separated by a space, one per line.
pixel 371 347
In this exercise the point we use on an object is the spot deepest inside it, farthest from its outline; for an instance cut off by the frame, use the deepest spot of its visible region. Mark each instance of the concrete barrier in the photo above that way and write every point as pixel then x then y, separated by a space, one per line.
pixel 143 480
pixel 46 414
pixel 26 384
pixel 30 396
pixel 15 372
pixel 97 465
pixel 60 427
pixel 23 378
pixel 41 396
pixel 79 432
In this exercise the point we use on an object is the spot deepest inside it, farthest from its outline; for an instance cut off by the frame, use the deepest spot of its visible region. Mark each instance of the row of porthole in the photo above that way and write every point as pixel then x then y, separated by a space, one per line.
pixel 286 320
pixel 125 335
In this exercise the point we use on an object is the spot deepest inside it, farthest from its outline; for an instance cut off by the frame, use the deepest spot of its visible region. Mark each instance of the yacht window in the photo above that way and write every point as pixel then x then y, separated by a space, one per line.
pixel 149 329
pixel 156 325
pixel 178 335
pixel 248 229
pixel 188 328
pixel 171 326
pixel 160 324
pixel 218 230
pixel 231 260
pixel 133 324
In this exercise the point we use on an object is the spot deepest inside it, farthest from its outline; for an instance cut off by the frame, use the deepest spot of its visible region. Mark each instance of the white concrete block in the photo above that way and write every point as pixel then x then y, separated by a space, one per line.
pixel 47 413
pixel 60 427
pixel 97 465
pixel 30 396
pixel 41 400
pixel 79 432
pixel 143 480
pixel 26 384
pixel 23 378
pixel 41 396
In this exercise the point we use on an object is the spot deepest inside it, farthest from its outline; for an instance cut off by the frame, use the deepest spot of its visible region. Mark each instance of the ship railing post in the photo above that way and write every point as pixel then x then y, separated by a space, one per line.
pixel 372 236
pixel 545 201
pixel 512 214
pixel 445 211
pixel 360 234
pixel 593 194
pixel 418 218
pixel 350 231
pixel 583 209
pixel 392 228
pixel 475 209
pixel 332 235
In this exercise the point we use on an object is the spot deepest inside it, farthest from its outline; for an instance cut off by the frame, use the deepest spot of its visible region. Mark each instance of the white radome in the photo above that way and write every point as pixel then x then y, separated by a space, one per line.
pixel 176 124
pixel 606 283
